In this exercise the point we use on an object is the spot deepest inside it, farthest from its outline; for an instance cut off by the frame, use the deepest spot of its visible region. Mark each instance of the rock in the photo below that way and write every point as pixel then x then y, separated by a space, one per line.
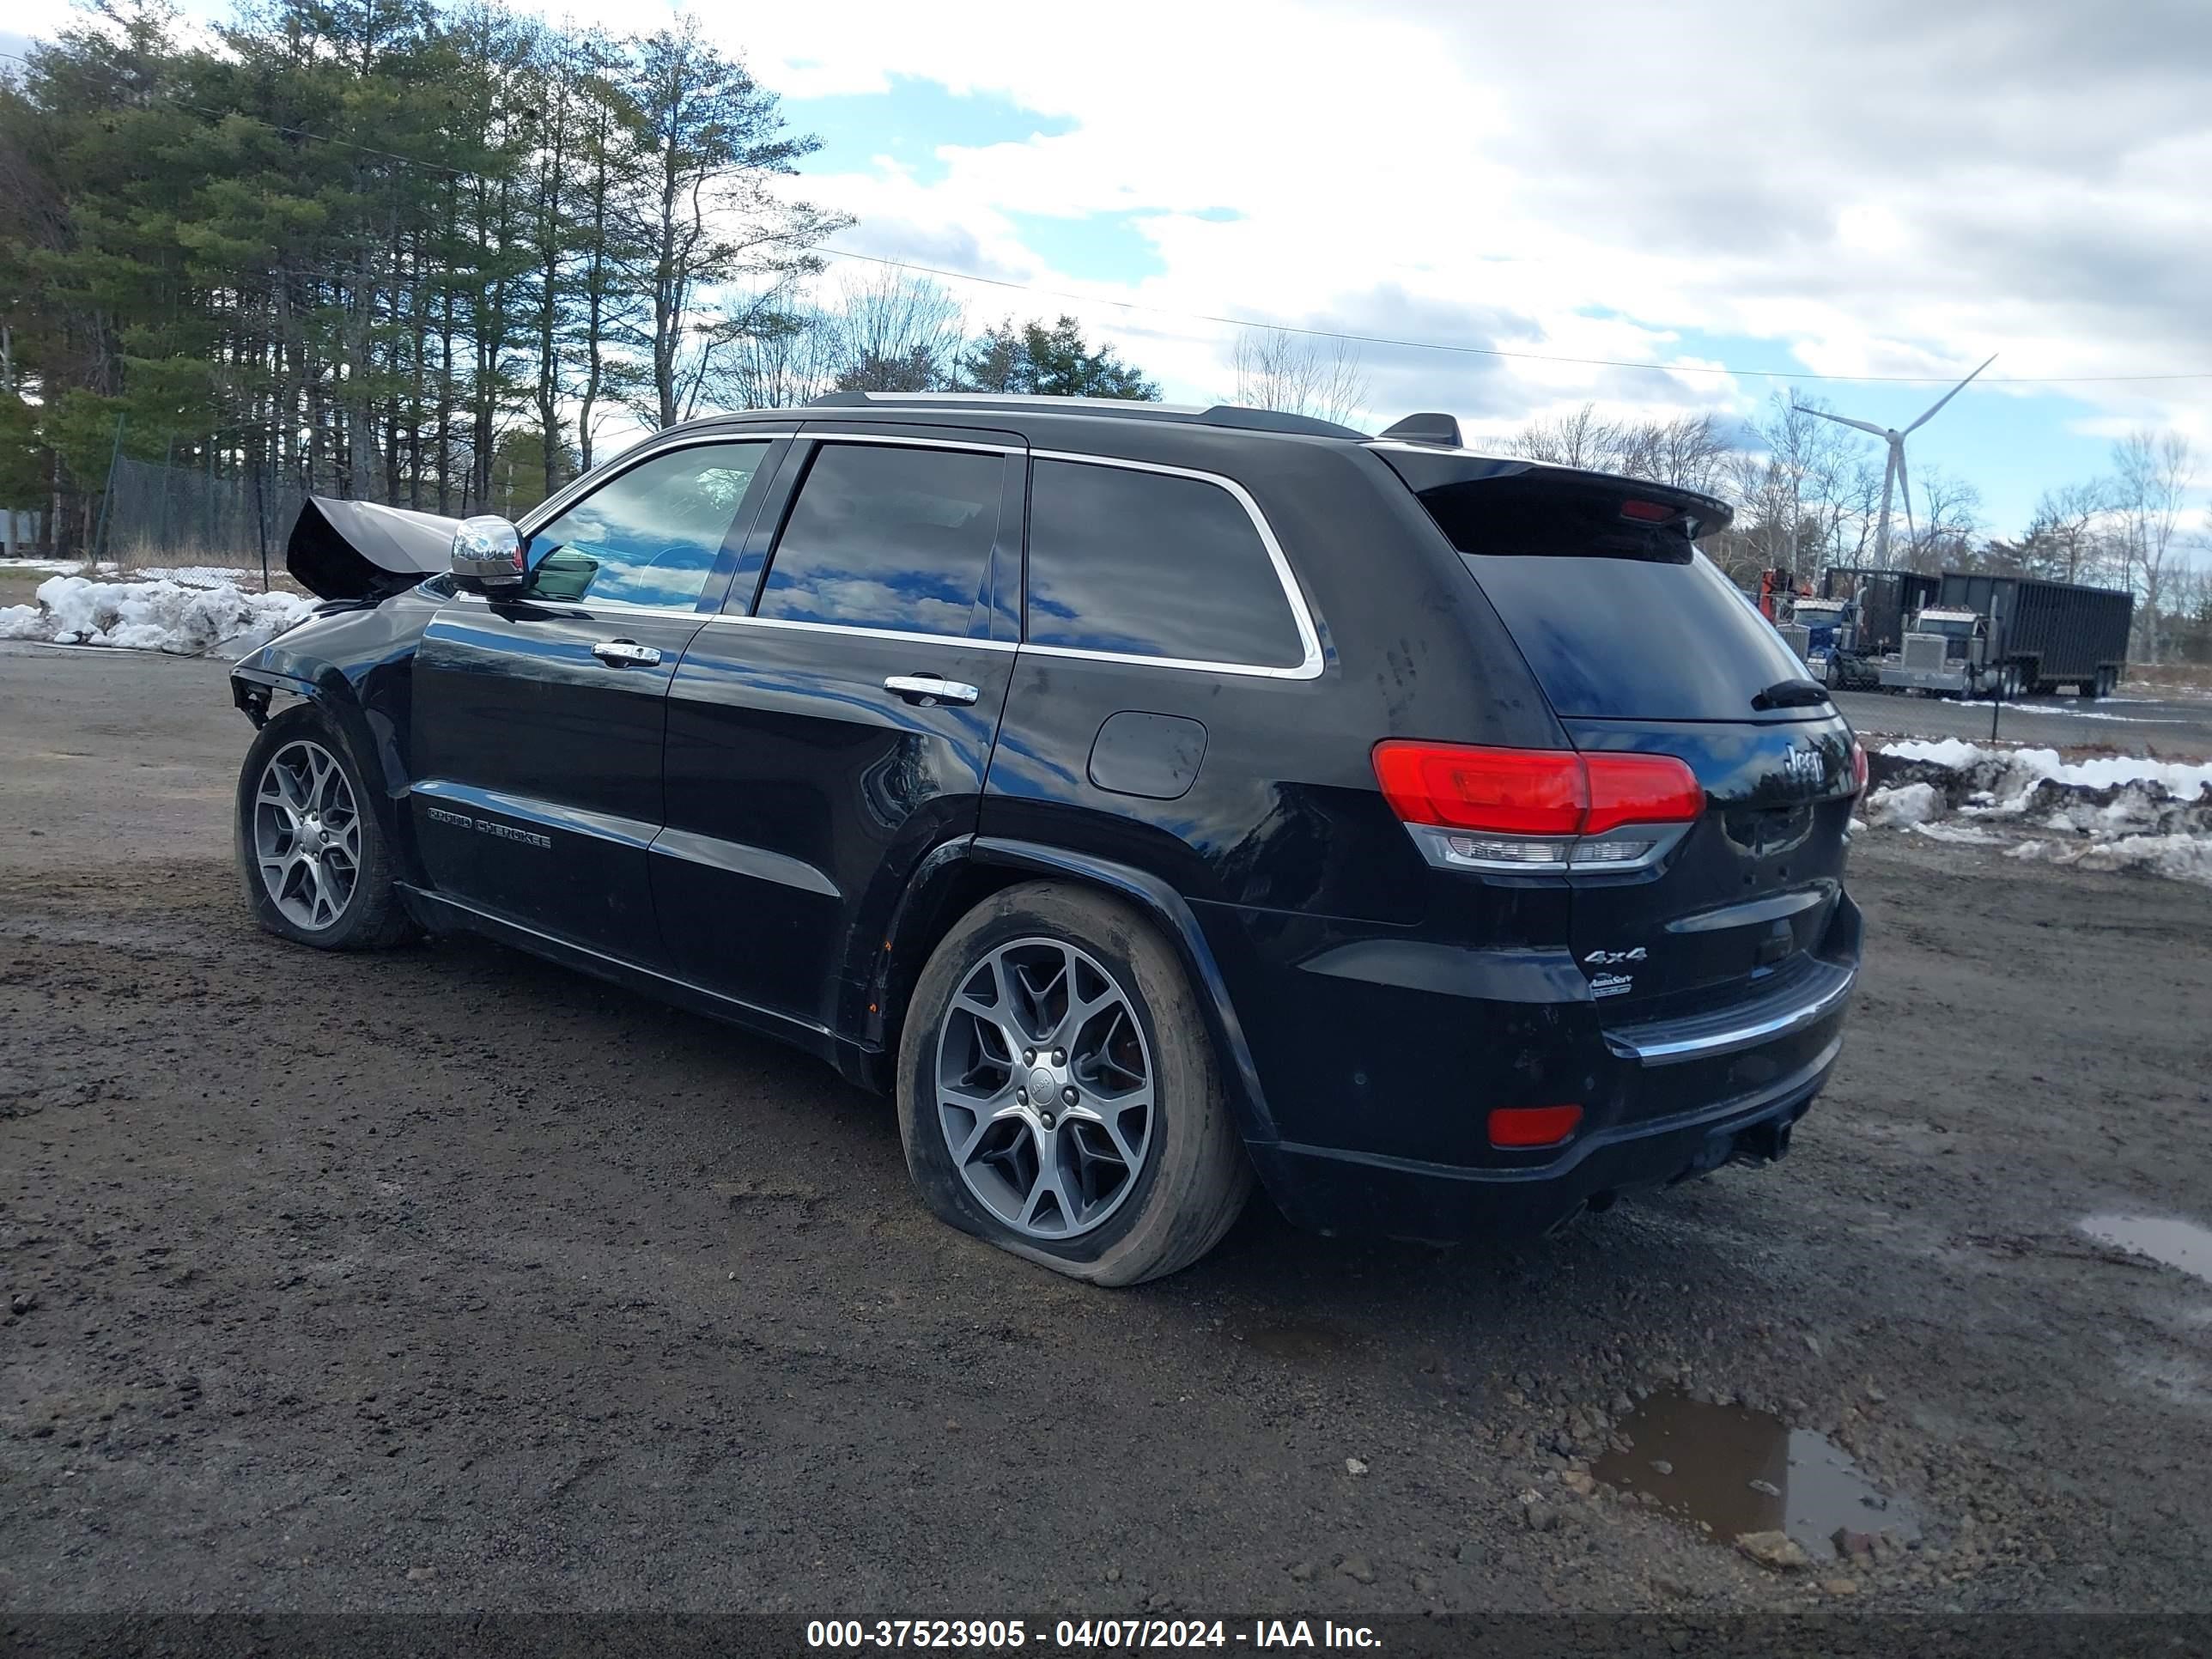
pixel 22 1302
pixel 1357 1568
pixel 1621 1405
pixel 1678 1641
pixel 419 1575
pixel 1301 1571
pixel 1113 1575
pixel 1662 1466
pixel 1766 1486
pixel 1775 1550
pixel 1472 1554
pixel 1353 1465
pixel 1840 1587
pixel 1541 1517
pixel 1579 1482
pixel 1679 1589
pixel 1813 1343
pixel 1875 1396
pixel 1423 1584
pixel 1853 1546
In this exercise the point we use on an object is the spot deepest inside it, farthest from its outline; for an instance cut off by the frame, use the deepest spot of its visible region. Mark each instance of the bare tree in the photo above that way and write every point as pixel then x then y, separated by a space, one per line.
pixel 2068 538
pixel 1950 516
pixel 1583 438
pixel 896 332
pixel 1277 369
pixel 2152 476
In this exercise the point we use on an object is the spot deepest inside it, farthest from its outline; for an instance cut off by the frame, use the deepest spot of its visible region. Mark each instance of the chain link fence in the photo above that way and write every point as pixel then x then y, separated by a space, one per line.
pixel 179 518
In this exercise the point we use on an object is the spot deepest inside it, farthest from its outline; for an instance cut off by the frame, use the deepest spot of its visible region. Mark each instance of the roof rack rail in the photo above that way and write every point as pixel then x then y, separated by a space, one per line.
pixel 1226 414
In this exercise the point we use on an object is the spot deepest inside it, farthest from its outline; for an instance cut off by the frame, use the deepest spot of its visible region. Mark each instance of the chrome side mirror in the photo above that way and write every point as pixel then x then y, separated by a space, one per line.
pixel 488 553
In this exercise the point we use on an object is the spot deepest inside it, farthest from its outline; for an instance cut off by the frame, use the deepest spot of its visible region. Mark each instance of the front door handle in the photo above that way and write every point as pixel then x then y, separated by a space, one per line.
pixel 927 691
pixel 626 653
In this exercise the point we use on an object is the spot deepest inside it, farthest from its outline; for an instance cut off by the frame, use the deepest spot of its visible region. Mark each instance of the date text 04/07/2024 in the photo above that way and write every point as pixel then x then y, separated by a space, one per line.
pixel 1085 1634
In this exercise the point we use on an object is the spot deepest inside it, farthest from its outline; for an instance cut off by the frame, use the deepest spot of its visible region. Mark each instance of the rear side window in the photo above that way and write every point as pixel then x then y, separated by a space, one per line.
pixel 1151 564
pixel 887 536
pixel 1617 621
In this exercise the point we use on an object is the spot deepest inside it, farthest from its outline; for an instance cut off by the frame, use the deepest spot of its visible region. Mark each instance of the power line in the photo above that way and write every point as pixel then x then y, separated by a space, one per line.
pixel 1492 351
pixel 1283 328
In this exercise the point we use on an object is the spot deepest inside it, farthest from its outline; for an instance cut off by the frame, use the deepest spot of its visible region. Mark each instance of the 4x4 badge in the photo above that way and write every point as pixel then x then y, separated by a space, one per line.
pixel 1606 958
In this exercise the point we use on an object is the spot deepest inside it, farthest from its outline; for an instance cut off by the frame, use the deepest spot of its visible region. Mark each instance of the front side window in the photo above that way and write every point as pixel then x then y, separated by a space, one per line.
pixel 1151 564
pixel 650 535
pixel 887 536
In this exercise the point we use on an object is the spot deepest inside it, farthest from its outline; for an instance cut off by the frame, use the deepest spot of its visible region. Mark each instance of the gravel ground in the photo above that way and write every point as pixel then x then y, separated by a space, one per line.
pixel 444 1279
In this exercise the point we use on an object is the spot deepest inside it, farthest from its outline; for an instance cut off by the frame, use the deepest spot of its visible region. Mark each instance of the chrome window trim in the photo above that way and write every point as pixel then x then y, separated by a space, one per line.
pixel 1311 662
pixel 727 620
pixel 615 607
pixel 979 446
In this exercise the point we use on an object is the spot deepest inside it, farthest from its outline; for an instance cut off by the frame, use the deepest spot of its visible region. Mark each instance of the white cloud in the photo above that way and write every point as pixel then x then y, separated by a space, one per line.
pixel 1881 190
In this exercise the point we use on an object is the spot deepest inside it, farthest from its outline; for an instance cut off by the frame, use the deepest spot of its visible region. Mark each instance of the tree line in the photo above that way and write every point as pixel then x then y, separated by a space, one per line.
pixel 422 253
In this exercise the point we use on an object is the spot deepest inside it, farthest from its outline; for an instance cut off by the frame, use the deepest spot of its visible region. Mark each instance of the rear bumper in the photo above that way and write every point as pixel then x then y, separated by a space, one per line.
pixel 1382 1057
pixel 1332 1191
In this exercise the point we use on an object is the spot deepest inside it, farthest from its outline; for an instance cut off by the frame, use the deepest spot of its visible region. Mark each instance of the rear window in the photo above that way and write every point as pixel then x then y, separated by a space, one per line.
pixel 1618 621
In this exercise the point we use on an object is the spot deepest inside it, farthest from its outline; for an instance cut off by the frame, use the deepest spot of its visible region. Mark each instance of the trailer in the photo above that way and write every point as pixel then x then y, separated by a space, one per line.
pixel 1962 635
pixel 2048 633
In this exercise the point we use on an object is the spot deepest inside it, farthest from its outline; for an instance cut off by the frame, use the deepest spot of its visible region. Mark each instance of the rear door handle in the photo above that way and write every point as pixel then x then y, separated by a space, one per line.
pixel 626 653
pixel 928 689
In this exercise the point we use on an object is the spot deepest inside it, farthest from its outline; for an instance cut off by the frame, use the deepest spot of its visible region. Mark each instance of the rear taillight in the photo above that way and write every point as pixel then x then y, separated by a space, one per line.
pixel 1859 768
pixel 1537 809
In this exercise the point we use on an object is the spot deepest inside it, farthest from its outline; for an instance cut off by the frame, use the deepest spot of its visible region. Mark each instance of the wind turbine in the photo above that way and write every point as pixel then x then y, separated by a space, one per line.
pixel 1894 473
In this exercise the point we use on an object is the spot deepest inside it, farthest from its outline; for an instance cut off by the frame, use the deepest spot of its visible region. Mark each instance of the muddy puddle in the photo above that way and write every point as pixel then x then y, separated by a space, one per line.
pixel 2182 1244
pixel 1741 1471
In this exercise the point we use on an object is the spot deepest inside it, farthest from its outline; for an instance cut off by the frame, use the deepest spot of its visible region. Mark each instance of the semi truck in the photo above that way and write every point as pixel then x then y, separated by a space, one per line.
pixel 1962 635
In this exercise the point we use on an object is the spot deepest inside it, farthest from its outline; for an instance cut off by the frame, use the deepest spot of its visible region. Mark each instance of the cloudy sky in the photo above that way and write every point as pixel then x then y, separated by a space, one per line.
pixel 1863 190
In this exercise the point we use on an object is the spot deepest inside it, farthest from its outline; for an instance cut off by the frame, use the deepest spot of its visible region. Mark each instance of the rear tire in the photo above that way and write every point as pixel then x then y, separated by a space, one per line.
pixel 311 856
pixel 1094 1187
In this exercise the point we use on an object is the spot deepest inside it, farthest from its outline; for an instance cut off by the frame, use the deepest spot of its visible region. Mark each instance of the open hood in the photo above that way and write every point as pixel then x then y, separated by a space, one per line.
pixel 359 551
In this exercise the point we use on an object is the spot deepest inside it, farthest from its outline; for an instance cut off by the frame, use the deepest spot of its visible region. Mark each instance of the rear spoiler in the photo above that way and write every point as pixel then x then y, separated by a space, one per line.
pixel 359 551
pixel 1426 468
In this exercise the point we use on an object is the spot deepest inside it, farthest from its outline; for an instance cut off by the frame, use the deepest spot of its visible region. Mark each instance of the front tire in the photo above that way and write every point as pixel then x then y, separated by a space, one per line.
pixel 1058 1095
pixel 311 856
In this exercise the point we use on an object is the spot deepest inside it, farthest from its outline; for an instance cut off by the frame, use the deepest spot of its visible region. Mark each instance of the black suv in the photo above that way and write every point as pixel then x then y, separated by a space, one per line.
pixel 1151 798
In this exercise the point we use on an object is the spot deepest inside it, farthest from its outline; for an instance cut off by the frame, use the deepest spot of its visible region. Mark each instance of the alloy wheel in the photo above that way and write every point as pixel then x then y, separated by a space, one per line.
pixel 307 835
pixel 1045 1088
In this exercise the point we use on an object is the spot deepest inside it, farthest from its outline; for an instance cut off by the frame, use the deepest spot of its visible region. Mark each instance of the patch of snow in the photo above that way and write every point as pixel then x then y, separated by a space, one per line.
pixel 2181 858
pixel 2012 773
pixel 2073 711
pixel 195 575
pixel 154 616
pixel 49 567
pixel 1903 806
pixel 1964 834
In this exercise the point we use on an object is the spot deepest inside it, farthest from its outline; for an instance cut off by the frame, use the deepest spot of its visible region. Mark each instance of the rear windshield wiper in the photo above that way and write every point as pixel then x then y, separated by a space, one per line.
pixel 1791 694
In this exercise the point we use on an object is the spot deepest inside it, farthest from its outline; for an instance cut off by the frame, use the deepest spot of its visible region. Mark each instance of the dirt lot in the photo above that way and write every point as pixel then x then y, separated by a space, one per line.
pixel 444 1279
